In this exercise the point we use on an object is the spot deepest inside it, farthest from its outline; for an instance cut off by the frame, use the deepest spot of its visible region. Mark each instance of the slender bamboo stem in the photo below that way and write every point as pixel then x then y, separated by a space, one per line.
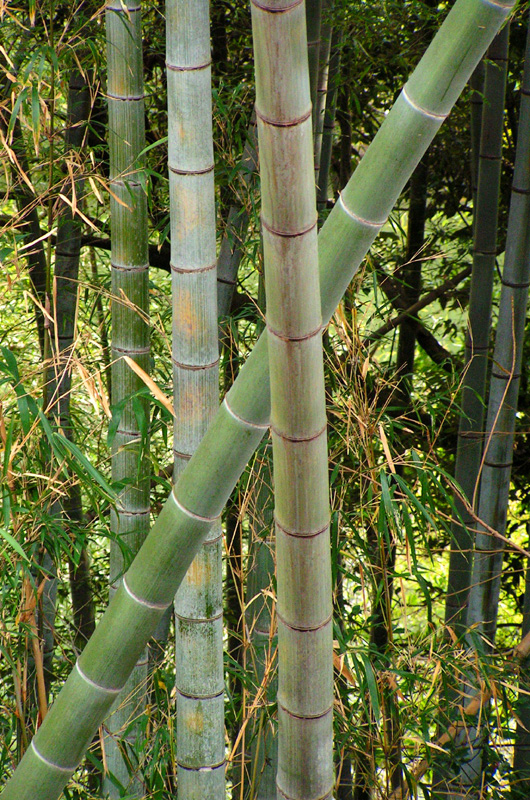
pixel 130 337
pixel 260 620
pixel 205 485
pixel 298 407
pixel 329 117
pixel 470 432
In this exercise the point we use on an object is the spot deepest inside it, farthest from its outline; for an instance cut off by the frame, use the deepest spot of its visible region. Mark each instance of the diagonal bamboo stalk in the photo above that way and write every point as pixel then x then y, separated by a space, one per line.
pixel 298 404
pixel 205 485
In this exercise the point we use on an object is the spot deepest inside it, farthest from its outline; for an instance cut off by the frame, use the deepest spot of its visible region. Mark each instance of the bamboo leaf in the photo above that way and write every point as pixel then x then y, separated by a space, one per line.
pixel 4 533
pixel 149 382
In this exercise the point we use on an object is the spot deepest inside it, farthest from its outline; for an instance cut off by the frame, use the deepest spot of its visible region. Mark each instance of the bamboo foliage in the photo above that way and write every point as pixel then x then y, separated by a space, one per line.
pixel 130 338
pixel 202 489
pixel 298 405
pixel 198 603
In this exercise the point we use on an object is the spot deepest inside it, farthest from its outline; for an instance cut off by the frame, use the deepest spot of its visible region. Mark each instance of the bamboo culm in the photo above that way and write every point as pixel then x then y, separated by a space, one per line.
pixel 471 424
pixel 298 403
pixel 198 603
pixel 205 485
pixel 130 338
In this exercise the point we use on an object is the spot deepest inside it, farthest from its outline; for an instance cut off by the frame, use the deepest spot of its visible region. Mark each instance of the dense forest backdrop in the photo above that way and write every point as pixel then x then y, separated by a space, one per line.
pixel 427 394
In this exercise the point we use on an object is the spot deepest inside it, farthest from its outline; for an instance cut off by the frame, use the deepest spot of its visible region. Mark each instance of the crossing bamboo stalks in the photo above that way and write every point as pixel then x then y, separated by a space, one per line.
pixel 198 603
pixel 298 405
pixel 130 338
pixel 470 433
pixel 205 485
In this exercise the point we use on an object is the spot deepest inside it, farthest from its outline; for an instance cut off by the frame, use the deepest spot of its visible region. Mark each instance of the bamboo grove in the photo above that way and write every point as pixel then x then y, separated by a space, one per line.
pixel 269 453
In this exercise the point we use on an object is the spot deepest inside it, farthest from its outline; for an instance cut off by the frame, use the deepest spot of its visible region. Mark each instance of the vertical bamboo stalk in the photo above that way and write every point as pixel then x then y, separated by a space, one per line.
pixel 241 422
pixel 504 388
pixel 322 82
pixel 198 603
pixel 470 433
pixel 260 613
pixel 329 118
pixel 298 415
pixel 130 338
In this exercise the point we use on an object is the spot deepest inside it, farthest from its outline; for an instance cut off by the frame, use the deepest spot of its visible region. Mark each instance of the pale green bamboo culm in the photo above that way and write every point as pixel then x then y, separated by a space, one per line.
pixel 199 678
pixel 298 402
pixel 206 483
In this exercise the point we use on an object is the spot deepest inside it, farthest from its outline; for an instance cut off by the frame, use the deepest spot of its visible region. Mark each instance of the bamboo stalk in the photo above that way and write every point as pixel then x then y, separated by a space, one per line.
pixel 198 603
pixel 471 424
pixel 504 389
pixel 130 338
pixel 298 406
pixel 329 117
pixel 260 621
pixel 242 420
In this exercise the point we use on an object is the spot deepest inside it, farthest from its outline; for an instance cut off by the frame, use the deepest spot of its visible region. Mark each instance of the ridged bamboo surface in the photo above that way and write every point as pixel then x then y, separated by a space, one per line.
pixel 130 337
pixel 298 403
pixel 205 485
pixel 200 750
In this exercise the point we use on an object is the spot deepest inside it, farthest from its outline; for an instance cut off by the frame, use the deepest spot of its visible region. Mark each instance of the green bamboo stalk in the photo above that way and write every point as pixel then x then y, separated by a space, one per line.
pixel 198 603
pixel 329 117
pixel 231 249
pixel 500 425
pixel 66 273
pixel 261 627
pixel 205 485
pixel 130 337
pixel 298 405
pixel 324 52
pixel 476 84
pixel 471 424
pixel 520 781
pixel 504 389
pixel 313 10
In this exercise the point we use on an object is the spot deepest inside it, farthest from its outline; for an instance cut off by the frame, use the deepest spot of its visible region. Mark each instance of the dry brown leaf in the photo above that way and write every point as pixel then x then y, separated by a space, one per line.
pixel 149 382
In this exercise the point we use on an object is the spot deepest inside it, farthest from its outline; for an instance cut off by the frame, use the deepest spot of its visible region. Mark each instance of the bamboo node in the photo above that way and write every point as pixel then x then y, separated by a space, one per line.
pixel 291 123
pixel 140 600
pixel 90 682
pixel 256 425
pixel 191 514
pixel 288 234
pixel 301 338
pixel 299 534
pixel 273 9
pixel 424 111
pixel 65 770
pixel 194 68
pixel 361 220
